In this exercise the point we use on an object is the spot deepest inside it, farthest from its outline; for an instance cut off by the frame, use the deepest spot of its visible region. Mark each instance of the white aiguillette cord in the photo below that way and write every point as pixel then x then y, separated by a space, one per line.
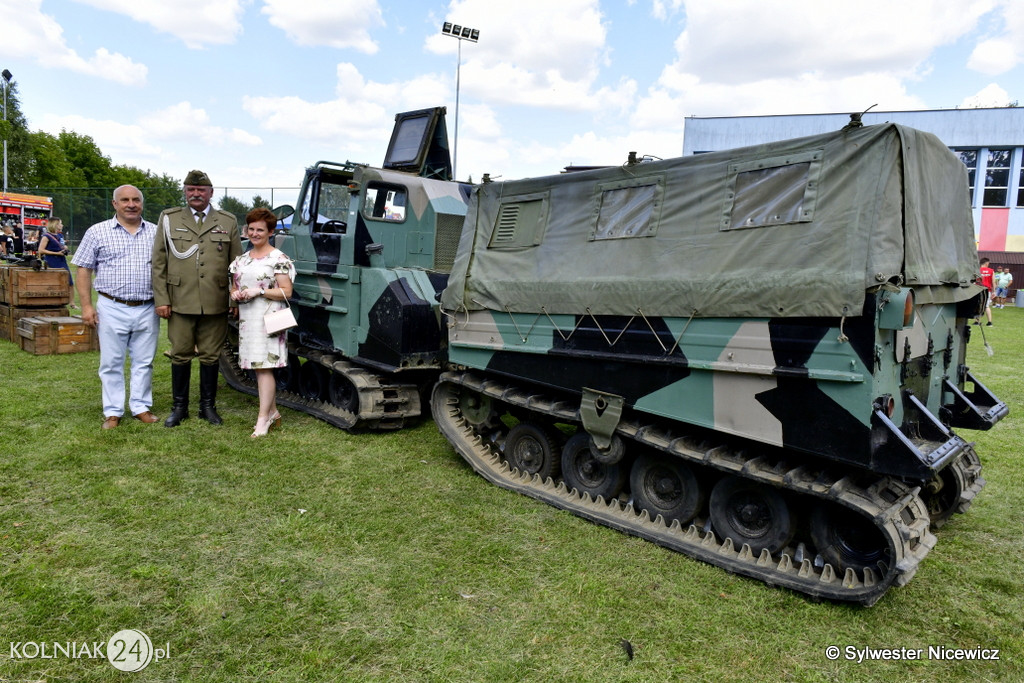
pixel 170 243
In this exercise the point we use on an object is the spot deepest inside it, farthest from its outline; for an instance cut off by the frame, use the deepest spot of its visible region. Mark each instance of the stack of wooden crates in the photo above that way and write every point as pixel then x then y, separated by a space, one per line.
pixel 34 312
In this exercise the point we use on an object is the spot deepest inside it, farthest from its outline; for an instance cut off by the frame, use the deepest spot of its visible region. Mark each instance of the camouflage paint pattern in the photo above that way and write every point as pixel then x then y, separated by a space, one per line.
pixel 808 384
pixel 373 304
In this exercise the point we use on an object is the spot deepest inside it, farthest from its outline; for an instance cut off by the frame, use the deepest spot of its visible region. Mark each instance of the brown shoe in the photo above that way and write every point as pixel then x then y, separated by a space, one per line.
pixel 146 417
pixel 111 422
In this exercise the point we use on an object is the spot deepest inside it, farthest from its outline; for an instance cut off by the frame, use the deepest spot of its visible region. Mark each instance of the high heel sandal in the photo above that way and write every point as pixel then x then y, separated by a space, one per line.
pixel 274 420
pixel 261 428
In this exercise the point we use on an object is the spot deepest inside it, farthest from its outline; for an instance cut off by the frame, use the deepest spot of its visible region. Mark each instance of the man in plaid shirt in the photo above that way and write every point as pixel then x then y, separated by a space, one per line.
pixel 119 252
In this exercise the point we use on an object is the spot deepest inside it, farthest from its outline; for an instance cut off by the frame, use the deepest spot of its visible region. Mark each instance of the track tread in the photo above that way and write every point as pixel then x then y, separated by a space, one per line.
pixel 896 509
pixel 383 405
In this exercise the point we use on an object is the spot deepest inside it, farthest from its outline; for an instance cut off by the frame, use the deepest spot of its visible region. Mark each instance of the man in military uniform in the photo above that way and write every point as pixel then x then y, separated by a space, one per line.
pixel 193 248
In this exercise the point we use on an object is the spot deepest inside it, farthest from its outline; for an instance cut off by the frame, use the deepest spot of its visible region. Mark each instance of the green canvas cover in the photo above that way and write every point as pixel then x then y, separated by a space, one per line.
pixel 801 227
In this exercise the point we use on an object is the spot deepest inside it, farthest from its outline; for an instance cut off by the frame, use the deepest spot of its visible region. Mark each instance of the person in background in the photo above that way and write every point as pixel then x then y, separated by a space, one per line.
pixel 261 283
pixel 30 240
pixel 19 239
pixel 1002 279
pixel 986 281
pixel 118 251
pixel 191 255
pixel 52 247
pixel 7 241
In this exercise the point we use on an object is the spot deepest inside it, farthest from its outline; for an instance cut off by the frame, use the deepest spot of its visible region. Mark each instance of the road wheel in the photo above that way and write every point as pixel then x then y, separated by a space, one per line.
pixel 665 486
pixel 288 376
pixel 477 409
pixel 751 513
pixel 313 381
pixel 530 448
pixel 585 473
pixel 845 539
pixel 342 393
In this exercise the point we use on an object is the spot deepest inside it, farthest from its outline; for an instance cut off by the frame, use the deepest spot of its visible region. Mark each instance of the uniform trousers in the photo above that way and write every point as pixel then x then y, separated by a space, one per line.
pixel 199 336
pixel 126 331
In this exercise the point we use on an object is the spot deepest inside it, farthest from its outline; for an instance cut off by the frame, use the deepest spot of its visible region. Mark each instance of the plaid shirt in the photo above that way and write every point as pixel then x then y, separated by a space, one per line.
pixel 122 261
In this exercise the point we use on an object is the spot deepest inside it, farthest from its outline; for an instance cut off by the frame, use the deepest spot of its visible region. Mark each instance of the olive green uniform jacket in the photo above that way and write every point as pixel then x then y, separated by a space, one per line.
pixel 199 283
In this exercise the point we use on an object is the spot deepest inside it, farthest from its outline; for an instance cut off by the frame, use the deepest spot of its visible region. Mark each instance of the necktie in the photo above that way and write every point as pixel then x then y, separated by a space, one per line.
pixel 199 219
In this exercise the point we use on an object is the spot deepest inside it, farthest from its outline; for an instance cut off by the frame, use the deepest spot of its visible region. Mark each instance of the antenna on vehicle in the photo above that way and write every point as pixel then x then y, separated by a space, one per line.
pixel 855 119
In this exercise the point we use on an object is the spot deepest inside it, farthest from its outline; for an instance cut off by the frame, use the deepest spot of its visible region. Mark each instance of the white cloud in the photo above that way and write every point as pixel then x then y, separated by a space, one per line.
pixel 534 52
pixel 801 94
pixel 327 22
pixel 660 9
pixel 117 140
pixel 184 122
pixel 994 56
pixel 991 95
pixel 243 137
pixel 359 119
pixel 26 28
pixel 197 23
pixel 476 119
pixel 179 120
pixel 748 40
pixel 792 56
pixel 158 140
pixel 999 53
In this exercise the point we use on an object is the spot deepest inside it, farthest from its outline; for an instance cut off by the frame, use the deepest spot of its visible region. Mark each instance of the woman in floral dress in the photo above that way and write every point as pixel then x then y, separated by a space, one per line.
pixel 261 281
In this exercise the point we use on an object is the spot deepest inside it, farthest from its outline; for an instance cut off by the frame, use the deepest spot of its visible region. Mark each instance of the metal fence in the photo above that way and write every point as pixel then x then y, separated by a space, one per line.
pixel 81 207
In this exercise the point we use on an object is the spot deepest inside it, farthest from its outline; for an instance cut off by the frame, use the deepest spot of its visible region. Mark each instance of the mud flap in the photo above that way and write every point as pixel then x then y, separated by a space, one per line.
pixel 600 413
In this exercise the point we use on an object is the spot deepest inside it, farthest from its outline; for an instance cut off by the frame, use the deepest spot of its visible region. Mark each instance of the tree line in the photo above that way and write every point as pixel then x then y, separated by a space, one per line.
pixel 72 170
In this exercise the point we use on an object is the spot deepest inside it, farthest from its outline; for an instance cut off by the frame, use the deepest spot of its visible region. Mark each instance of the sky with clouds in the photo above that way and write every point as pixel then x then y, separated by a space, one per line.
pixel 253 91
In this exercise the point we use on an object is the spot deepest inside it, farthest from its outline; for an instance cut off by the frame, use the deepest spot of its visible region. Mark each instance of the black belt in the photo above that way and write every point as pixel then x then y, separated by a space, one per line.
pixel 141 302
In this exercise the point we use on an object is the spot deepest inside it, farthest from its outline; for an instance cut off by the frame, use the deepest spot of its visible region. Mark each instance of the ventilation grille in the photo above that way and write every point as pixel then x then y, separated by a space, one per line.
pixel 520 223
pixel 446 241
pixel 507 222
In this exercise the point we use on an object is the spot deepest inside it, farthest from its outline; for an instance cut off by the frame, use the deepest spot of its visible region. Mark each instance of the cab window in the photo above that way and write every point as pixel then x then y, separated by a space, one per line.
pixel 385 202
pixel 327 201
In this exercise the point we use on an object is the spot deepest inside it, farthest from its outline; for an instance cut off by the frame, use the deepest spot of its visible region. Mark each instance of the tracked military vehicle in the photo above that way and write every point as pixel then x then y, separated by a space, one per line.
pixel 372 248
pixel 753 357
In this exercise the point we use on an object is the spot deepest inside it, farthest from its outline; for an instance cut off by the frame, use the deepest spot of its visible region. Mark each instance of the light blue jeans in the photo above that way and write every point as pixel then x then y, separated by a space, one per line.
pixel 132 332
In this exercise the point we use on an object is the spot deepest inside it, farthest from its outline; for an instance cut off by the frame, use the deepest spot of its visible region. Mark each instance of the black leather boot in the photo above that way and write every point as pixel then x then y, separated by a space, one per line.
pixel 181 376
pixel 208 376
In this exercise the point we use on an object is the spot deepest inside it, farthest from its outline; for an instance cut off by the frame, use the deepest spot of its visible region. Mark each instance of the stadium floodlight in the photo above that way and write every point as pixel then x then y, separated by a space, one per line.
pixel 461 33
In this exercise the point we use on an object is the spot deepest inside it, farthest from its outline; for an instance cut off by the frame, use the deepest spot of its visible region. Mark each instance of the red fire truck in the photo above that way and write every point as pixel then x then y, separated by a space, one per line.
pixel 28 210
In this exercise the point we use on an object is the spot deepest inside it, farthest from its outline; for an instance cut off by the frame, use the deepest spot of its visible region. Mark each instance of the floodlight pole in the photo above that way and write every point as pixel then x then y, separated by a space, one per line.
pixel 7 76
pixel 455 147
pixel 461 33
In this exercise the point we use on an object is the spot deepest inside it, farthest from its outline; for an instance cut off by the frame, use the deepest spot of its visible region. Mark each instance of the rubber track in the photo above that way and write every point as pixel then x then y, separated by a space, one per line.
pixel 382 406
pixel 896 509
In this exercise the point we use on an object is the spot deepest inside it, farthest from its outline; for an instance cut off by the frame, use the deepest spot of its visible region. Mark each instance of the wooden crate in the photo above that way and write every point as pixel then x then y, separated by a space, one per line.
pixel 27 287
pixel 9 317
pixel 44 336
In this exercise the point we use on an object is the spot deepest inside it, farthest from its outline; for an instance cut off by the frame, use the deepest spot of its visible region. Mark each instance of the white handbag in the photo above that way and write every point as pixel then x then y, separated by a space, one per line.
pixel 281 320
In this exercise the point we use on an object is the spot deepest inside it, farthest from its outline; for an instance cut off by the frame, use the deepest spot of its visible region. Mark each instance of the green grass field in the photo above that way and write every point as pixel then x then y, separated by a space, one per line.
pixel 318 555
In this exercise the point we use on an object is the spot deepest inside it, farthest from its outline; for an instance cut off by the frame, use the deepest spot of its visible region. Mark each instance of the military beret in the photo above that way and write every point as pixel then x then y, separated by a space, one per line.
pixel 198 178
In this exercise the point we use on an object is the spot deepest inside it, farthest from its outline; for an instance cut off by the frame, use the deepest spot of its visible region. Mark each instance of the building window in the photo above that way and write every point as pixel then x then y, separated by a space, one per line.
pixel 1020 188
pixel 970 159
pixel 997 177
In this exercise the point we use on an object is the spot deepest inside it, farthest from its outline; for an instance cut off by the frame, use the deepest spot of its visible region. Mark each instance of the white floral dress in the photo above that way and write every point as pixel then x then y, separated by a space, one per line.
pixel 257 349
